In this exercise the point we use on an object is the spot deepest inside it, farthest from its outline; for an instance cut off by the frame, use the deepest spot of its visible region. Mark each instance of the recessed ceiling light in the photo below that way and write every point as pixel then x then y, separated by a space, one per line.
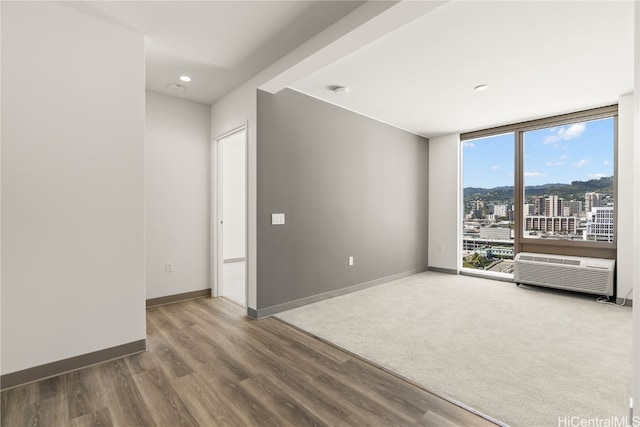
pixel 339 90
pixel 480 88
pixel 185 78
pixel 175 87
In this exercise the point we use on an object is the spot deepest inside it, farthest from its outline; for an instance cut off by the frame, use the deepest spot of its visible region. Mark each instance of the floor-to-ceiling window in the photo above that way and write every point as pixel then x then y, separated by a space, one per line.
pixel 568 174
pixel 488 182
pixel 545 186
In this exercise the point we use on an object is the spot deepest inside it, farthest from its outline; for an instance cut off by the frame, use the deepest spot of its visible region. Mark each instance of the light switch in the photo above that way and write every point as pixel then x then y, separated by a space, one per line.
pixel 277 219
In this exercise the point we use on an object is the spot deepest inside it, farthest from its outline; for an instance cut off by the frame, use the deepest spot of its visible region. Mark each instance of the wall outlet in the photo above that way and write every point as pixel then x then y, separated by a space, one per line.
pixel 350 261
pixel 277 219
pixel 168 267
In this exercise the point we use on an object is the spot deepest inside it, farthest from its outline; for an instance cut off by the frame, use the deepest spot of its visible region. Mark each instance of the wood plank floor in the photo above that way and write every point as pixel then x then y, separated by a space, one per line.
pixel 208 365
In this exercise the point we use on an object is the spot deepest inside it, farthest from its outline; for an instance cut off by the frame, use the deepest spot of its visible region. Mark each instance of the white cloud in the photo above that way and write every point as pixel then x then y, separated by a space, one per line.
pixel 574 131
pixel 564 157
pixel 596 175
pixel 606 162
pixel 564 133
pixel 468 145
pixel 582 163
pixel 495 168
pixel 534 174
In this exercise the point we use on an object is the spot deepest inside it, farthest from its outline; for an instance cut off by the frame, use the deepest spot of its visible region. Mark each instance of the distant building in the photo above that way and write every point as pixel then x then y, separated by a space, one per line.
pixel 557 224
pixel 495 233
pixel 538 205
pixel 572 208
pixel 600 223
pixel 478 204
pixel 500 210
pixel 592 200
pixel 553 206
pixel 501 252
pixel 478 209
pixel 495 252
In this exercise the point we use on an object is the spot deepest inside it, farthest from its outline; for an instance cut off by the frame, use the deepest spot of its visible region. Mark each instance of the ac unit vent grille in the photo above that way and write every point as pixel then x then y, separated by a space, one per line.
pixel 550 260
pixel 572 273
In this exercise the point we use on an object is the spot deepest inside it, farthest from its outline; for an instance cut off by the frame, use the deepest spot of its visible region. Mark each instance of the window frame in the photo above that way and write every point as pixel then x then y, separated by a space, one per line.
pixel 558 247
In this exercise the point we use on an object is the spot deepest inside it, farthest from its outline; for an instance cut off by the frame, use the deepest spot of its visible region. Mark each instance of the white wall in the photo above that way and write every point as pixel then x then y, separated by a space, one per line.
pixel 636 229
pixel 177 145
pixel 0 197
pixel 72 185
pixel 627 214
pixel 234 195
pixel 239 108
pixel 444 202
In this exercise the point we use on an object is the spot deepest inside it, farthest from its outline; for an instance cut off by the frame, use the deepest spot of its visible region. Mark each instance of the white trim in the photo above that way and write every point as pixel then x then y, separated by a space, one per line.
pixel 274 309
pixel 486 274
pixel 216 238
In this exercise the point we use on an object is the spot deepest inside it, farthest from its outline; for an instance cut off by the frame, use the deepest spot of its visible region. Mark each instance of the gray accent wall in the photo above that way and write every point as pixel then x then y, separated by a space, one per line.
pixel 348 186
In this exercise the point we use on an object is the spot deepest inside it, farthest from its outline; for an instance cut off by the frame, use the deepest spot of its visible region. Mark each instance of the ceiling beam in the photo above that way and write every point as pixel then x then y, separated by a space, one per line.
pixel 371 21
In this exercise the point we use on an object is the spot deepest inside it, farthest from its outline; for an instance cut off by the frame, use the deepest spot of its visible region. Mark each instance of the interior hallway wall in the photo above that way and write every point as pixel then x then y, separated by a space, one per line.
pixel 444 203
pixel 177 194
pixel 72 185
pixel 239 108
pixel 627 214
pixel 348 185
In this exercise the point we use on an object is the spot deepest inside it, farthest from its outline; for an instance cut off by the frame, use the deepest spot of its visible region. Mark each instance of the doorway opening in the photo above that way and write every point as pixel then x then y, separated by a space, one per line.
pixel 231 213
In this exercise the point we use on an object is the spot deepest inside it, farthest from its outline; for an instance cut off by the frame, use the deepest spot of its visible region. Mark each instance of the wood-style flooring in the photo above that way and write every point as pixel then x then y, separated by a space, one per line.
pixel 208 365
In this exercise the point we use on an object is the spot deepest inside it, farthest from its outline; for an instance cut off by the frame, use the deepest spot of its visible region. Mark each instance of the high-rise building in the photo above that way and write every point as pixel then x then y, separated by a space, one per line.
pixel 528 209
pixel 538 205
pixel 592 200
pixel 500 210
pixel 573 207
pixel 478 209
pixel 553 206
pixel 600 223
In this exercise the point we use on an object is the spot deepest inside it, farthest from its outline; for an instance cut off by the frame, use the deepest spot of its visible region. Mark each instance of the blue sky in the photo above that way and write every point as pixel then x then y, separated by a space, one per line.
pixel 575 152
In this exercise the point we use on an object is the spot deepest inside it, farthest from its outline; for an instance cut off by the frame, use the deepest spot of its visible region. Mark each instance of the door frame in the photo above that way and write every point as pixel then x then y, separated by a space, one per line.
pixel 216 238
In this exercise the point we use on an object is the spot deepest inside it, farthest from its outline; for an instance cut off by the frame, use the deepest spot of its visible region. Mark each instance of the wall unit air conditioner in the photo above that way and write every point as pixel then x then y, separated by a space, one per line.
pixel 590 275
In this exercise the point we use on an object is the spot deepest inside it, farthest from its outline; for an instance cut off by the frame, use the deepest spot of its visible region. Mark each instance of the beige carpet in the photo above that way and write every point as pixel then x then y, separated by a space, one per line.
pixel 524 356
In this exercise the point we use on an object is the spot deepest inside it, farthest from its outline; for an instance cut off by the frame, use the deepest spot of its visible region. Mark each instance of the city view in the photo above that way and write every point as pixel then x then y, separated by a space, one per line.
pixel 568 191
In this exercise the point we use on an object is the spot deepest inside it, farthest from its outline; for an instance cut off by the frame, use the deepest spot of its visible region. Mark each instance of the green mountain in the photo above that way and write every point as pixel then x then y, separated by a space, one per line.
pixel 573 191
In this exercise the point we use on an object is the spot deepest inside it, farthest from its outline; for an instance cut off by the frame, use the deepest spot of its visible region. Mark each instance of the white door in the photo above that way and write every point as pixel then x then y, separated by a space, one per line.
pixel 231 186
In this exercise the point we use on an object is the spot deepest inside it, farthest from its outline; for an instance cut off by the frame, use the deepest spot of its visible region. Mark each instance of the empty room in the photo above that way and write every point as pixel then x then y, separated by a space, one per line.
pixel 367 213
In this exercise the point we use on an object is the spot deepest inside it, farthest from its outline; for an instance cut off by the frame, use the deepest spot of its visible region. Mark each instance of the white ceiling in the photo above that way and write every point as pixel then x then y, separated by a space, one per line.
pixel 539 58
pixel 220 44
